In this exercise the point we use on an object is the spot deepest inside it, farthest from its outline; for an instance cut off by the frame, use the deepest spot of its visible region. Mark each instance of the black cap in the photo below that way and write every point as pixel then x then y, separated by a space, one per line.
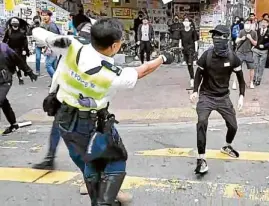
pixel 222 29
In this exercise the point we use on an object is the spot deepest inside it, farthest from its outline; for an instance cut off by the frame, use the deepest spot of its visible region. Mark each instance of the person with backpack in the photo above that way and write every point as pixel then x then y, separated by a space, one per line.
pixel 16 39
pixel 51 58
pixel 215 67
pixel 245 41
pixel 235 30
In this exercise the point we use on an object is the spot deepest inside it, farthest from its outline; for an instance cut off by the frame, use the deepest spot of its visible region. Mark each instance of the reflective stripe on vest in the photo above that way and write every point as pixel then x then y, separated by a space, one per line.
pixel 75 82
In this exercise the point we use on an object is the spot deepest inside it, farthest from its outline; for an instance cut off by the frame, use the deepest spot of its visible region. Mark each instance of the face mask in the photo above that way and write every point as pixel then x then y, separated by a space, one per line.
pixel 186 24
pixel 176 19
pixel 247 27
pixel 221 47
pixel 140 16
pixel 15 26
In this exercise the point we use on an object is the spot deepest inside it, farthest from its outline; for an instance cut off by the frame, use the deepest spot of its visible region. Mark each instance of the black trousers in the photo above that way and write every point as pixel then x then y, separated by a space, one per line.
pixel 222 105
pixel 19 71
pixel 5 105
pixel 189 58
pixel 145 47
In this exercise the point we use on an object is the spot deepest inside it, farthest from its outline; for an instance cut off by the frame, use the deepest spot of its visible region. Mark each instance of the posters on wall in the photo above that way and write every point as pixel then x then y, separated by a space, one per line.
pixel 211 16
pixel 122 13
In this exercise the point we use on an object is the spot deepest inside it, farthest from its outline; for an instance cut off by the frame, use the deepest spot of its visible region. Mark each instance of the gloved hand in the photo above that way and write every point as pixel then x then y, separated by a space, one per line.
pixel 32 76
pixel 138 43
pixel 62 42
pixel 87 101
pixel 240 102
pixel 168 58
pixel 23 53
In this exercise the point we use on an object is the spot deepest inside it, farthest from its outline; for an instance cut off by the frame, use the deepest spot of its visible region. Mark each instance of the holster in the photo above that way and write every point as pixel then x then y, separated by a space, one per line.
pixel 51 104
pixel 5 76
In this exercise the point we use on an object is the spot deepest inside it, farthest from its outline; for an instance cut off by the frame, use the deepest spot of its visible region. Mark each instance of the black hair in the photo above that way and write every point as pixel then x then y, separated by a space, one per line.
pixel 72 15
pixel 140 13
pixel 265 14
pixel 105 32
pixel 47 12
pixel 264 19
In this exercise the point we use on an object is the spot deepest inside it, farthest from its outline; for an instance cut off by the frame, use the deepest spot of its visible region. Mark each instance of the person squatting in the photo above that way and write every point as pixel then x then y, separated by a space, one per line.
pixel 215 67
pixel 85 124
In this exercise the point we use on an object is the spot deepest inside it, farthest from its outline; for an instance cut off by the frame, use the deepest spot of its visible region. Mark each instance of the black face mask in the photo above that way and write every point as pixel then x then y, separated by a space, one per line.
pixel 176 20
pixel 221 47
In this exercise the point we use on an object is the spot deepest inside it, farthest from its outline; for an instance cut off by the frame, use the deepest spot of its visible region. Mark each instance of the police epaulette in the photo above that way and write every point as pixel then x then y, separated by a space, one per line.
pixel 82 40
pixel 111 67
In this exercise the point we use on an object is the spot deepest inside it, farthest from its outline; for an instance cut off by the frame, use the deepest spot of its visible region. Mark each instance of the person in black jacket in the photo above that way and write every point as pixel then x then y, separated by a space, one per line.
pixel 9 61
pixel 16 39
pixel 175 32
pixel 145 37
pixel 137 23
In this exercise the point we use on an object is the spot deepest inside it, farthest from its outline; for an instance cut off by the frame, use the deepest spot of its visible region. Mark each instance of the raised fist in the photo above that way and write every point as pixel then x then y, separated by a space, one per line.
pixel 169 57
pixel 62 42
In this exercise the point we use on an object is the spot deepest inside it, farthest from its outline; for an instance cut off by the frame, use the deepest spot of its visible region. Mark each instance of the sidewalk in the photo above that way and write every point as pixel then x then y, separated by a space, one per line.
pixel 160 97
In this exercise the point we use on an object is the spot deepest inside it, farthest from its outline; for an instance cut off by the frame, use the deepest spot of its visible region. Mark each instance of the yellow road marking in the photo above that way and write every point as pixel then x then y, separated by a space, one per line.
pixel 210 189
pixel 210 154
pixel 31 175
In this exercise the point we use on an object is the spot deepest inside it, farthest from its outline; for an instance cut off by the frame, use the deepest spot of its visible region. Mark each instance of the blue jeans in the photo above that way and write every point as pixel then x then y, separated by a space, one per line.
pixel 54 138
pixel 76 136
pixel 37 58
pixel 51 62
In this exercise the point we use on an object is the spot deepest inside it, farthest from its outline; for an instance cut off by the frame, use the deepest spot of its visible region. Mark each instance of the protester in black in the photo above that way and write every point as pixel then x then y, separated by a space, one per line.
pixel 189 42
pixel 215 68
pixel 137 23
pixel 16 39
pixel 175 32
pixel 9 61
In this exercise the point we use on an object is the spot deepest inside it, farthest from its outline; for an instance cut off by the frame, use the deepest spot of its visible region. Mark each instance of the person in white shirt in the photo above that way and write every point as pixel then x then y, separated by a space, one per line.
pixel 145 37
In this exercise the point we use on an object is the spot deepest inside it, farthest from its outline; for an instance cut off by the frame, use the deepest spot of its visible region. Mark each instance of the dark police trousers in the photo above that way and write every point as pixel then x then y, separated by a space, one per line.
pixel 4 103
pixel 222 105
pixel 103 178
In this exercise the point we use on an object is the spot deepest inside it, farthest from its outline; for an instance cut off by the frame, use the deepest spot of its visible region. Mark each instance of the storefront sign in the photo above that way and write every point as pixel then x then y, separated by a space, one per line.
pixel 122 13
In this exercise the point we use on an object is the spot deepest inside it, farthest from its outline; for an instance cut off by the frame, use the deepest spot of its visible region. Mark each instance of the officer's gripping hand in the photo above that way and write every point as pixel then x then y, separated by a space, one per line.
pixel 193 96
pixel 62 42
pixel 168 57
pixel 240 102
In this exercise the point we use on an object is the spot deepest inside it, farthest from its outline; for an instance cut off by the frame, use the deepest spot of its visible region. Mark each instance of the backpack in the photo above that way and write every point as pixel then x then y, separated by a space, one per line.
pixel 235 31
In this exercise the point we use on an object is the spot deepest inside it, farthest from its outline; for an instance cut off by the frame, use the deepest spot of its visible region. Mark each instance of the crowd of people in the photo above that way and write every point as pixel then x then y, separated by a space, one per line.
pixel 250 40
pixel 182 34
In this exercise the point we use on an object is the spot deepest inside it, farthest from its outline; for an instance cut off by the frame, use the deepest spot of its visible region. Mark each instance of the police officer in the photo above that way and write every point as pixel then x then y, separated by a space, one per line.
pixel 85 88
pixel 9 61
pixel 215 68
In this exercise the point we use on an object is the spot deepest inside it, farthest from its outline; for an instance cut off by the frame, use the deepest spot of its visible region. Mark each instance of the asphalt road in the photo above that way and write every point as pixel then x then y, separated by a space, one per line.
pixel 155 178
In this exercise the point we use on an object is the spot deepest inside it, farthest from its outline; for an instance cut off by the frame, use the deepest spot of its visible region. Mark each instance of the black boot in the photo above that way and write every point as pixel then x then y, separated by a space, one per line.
pixel 109 187
pixel 92 187
pixel 46 164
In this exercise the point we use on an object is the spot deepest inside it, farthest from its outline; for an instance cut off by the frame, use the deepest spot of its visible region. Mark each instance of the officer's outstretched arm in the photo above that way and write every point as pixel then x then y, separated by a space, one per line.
pixel 57 43
pixel 151 66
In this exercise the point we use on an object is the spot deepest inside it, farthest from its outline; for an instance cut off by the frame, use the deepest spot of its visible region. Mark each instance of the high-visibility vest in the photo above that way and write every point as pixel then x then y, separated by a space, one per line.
pixel 73 82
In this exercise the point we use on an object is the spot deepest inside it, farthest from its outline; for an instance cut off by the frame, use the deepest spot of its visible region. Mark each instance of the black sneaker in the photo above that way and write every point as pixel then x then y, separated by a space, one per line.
pixel 47 164
pixel 11 129
pixel 21 82
pixel 201 167
pixel 229 150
